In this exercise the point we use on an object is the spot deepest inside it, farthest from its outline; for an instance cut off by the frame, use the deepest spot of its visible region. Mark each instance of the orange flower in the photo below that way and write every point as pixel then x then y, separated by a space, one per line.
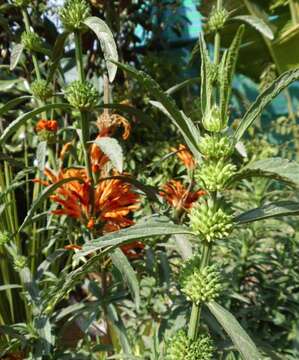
pixel 48 125
pixel 113 200
pixel 178 196
pixel 133 250
pixel 185 156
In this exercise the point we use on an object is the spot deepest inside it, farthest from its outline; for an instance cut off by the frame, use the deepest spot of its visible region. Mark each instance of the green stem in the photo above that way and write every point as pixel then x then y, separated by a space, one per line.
pixel 196 308
pixel 34 59
pixel 294 10
pixel 84 125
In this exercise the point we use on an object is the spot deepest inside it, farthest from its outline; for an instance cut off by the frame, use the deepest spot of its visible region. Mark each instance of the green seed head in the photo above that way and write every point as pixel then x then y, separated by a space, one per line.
pixel 216 146
pixel 180 347
pixel 82 95
pixel 212 120
pixel 73 14
pixel 210 221
pixel 31 41
pixel 4 238
pixel 41 90
pixel 20 262
pixel 200 285
pixel 214 175
pixel 217 19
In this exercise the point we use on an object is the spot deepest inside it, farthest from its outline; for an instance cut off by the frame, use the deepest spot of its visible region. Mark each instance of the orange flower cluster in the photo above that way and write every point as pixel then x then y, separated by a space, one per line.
pixel 109 210
pixel 178 196
pixel 48 125
pixel 185 156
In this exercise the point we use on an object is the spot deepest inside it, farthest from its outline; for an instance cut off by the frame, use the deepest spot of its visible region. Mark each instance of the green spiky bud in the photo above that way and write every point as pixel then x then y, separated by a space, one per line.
pixel 180 347
pixel 41 90
pixel 199 285
pixel 20 262
pixel 31 41
pixel 212 120
pixel 82 95
pixel 210 221
pixel 217 19
pixel 216 146
pixel 73 14
pixel 4 238
pixel 21 3
pixel 214 175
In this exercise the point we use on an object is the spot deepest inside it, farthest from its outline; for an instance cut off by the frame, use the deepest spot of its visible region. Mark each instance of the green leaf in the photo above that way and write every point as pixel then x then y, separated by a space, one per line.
pixel 167 105
pixel 121 262
pixel 275 209
pixel 12 103
pixel 181 85
pixel 238 335
pixel 44 195
pixel 10 286
pixel 264 99
pixel 41 152
pixel 16 53
pixel 113 150
pixel 275 168
pixel 13 126
pixel 257 23
pixel 227 72
pixel 105 36
pixel 8 84
pixel 139 231
pixel 206 81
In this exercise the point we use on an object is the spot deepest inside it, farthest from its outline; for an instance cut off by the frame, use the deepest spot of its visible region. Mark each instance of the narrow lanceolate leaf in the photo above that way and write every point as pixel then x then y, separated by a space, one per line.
pixel 43 196
pixel 275 168
pixel 121 262
pixel 206 83
pixel 41 152
pixel 8 287
pixel 137 232
pixel 257 23
pixel 13 103
pixel 16 53
pixel 13 126
pixel 167 105
pixel 238 335
pixel 113 150
pixel 105 36
pixel 57 53
pixel 264 99
pixel 227 72
pixel 183 84
pixel 275 209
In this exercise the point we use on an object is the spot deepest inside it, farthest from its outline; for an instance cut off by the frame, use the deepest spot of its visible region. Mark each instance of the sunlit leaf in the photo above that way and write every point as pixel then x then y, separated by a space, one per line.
pixel 16 53
pixel 257 23
pixel 113 150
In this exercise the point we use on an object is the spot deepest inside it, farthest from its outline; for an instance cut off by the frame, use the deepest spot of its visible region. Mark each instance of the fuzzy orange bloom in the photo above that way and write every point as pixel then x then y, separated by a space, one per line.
pixel 178 196
pixel 113 202
pixel 48 125
pixel 185 156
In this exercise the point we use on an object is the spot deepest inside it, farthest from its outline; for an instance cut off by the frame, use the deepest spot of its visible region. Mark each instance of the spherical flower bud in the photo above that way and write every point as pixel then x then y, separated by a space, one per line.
pixel 210 221
pixel 20 262
pixel 212 120
pixel 216 146
pixel 73 14
pixel 82 95
pixel 46 130
pixel 41 90
pixel 180 347
pixel 31 41
pixel 217 19
pixel 214 175
pixel 199 285
pixel 4 238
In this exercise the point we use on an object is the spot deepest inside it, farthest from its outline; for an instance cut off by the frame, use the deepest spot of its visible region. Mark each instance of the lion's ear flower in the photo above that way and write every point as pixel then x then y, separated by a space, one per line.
pixel 185 156
pixel 46 130
pixel 178 196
